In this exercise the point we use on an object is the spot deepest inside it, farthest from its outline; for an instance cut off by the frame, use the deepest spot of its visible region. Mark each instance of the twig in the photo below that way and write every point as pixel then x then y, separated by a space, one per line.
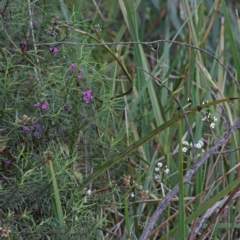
pixel 222 203
pixel 227 151
pixel 149 44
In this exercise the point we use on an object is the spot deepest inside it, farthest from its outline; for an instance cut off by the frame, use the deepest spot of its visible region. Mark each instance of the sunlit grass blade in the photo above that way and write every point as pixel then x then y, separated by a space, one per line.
pixel 231 39
pixel 139 55
pixel 57 206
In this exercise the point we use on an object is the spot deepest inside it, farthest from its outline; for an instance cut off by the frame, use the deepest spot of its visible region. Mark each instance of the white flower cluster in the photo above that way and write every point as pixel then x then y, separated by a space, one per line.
pixel 88 192
pixel 187 145
pixel 159 165
pixel 208 118
pixel 166 170
pixel 157 169
pixel 199 144
pixel 205 102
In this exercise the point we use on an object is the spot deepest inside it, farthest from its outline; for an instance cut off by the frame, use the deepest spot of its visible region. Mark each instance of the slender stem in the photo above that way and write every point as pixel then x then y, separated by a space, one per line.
pixel 149 44
pixel 181 185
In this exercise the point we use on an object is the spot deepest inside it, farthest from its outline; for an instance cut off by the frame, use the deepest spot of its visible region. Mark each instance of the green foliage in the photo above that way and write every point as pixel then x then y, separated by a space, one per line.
pixel 88 130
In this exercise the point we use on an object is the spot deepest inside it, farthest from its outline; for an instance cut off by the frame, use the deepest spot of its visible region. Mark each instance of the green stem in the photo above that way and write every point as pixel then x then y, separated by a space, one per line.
pixel 181 185
pixel 56 197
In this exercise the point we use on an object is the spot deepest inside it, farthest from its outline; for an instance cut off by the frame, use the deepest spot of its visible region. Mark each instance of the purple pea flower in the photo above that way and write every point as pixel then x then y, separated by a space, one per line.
pixel 37 126
pixel 37 104
pixel 45 105
pixel 37 129
pixel 72 67
pixel 7 162
pixel 26 129
pixel 79 75
pixel 53 50
pixel 36 134
pixel 23 46
pixel 67 107
pixel 87 95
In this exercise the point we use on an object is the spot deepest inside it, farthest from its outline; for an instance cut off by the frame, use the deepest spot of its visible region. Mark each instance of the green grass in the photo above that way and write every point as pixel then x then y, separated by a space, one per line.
pixel 105 167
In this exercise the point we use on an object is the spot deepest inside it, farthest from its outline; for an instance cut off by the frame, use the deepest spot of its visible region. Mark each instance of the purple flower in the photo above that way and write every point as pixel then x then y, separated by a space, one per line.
pixel 26 129
pixel 87 95
pixel 79 75
pixel 7 162
pixel 37 104
pixel 36 134
pixel 37 126
pixel 45 105
pixel 72 67
pixel 67 107
pixel 37 129
pixel 53 50
pixel 23 45
pixel 42 105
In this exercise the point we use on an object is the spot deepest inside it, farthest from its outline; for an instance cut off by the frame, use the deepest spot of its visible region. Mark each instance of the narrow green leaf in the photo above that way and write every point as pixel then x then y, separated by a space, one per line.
pixel 127 223
pixel 56 197
pixel 231 38
pixel 181 185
